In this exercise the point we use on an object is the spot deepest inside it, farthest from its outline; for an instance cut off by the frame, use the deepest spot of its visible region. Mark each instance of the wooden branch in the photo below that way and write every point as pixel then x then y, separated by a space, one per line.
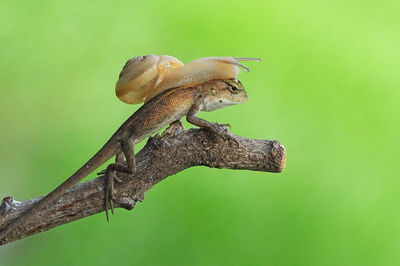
pixel 163 156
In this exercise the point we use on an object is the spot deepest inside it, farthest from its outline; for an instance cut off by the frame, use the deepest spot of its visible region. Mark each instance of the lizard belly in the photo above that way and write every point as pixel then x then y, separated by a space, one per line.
pixel 167 119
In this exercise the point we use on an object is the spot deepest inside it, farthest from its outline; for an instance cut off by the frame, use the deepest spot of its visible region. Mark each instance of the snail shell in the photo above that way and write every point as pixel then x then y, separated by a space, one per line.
pixel 144 77
pixel 140 76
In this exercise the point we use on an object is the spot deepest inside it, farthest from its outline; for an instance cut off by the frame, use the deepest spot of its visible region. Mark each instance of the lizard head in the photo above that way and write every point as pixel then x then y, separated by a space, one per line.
pixel 217 94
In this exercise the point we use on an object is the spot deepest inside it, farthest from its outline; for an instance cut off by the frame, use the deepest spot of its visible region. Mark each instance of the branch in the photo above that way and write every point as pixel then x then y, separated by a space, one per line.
pixel 163 156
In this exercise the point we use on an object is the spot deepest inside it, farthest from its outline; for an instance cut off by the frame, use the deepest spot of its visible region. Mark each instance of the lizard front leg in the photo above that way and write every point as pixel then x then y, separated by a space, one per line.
pixel 216 128
pixel 128 152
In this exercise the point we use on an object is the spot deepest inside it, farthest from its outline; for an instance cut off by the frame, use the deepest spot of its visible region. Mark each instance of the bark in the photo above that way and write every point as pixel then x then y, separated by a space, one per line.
pixel 163 156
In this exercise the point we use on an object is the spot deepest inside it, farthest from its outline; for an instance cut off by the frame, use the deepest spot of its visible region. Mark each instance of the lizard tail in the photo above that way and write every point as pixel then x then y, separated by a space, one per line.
pixel 95 162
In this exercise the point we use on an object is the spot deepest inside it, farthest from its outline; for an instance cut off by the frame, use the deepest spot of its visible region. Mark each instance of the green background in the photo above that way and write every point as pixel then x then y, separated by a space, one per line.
pixel 327 89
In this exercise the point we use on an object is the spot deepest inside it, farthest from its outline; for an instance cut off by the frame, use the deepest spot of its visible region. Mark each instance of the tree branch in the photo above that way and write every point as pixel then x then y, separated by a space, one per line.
pixel 163 156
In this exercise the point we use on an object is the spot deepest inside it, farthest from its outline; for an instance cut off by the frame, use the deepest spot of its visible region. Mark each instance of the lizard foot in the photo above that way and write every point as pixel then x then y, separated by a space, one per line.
pixel 102 172
pixel 110 179
pixel 220 129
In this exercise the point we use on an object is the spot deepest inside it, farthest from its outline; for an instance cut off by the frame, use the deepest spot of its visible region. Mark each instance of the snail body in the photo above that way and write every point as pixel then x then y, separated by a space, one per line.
pixel 144 77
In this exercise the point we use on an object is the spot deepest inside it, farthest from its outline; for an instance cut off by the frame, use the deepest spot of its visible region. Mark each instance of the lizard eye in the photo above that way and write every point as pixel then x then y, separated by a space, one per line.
pixel 213 91
pixel 234 89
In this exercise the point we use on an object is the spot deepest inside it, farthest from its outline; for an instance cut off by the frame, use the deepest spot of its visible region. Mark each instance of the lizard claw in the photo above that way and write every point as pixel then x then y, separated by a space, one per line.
pixel 102 172
pixel 110 192
pixel 220 129
pixel 222 125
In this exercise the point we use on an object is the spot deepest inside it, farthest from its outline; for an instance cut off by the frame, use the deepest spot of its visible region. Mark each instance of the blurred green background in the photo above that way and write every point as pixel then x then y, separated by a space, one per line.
pixel 327 89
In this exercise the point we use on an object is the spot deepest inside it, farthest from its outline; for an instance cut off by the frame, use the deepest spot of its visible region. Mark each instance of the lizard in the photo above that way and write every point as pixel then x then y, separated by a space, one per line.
pixel 165 108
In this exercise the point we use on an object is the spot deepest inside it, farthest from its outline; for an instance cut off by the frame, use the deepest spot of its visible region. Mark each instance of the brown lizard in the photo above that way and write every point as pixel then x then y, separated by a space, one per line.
pixel 165 108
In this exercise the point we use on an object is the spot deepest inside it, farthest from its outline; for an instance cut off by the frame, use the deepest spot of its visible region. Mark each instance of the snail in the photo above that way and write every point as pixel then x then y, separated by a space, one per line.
pixel 144 77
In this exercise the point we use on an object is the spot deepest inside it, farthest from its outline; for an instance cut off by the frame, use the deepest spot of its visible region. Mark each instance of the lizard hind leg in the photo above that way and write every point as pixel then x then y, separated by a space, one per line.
pixel 122 165
pixel 119 159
